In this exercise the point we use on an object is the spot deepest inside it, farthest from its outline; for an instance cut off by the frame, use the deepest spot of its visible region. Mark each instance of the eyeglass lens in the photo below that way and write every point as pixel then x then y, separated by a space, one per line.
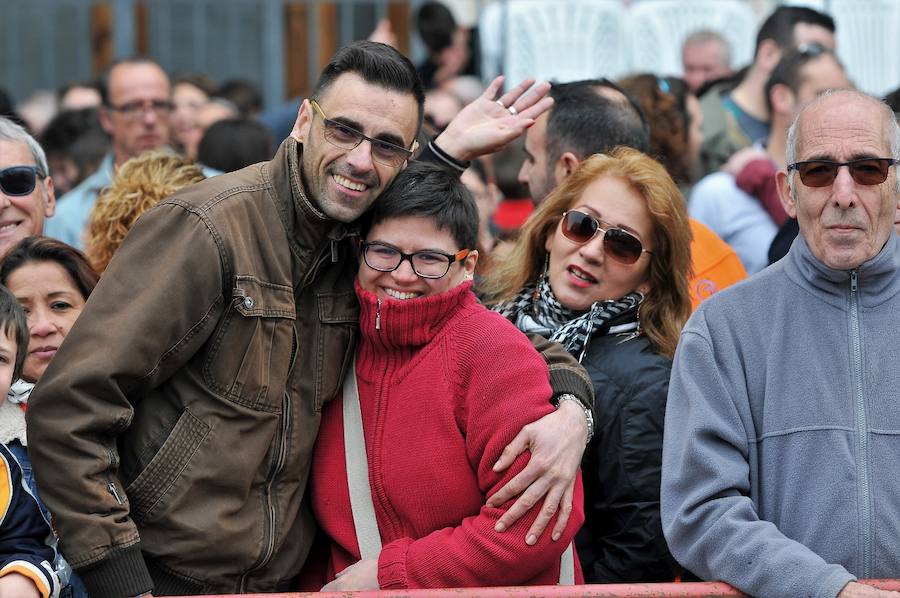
pixel 346 137
pixel 866 171
pixel 427 264
pixel 137 108
pixel 618 243
pixel 18 180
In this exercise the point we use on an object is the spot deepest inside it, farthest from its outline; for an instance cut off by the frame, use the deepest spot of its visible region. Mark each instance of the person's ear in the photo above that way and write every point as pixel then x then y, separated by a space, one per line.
pixel 300 132
pixel 103 114
pixel 49 198
pixel 768 55
pixel 469 264
pixel 784 193
pixel 783 99
pixel 565 166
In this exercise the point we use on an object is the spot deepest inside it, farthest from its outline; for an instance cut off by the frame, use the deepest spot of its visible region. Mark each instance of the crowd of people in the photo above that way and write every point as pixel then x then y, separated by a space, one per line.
pixel 351 360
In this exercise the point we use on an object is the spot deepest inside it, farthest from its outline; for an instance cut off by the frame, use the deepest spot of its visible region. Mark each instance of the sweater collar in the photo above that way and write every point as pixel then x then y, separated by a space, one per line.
pixel 412 323
pixel 877 278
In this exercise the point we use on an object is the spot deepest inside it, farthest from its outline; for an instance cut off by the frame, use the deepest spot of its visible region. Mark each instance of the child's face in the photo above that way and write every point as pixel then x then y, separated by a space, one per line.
pixel 8 350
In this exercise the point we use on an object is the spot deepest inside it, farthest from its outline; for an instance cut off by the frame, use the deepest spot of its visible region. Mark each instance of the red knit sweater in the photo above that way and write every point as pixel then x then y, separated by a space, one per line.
pixel 444 386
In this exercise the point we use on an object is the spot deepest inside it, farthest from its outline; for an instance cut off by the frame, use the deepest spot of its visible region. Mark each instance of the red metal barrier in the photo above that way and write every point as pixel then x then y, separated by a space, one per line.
pixel 639 590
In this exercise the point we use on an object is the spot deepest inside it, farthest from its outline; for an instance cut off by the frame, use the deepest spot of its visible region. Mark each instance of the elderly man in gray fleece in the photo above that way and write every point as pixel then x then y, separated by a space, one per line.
pixel 781 459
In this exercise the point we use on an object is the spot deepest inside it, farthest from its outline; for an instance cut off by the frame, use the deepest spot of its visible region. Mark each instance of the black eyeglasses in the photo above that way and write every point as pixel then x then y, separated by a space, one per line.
pixel 426 264
pixel 340 135
pixel 136 109
pixel 19 180
pixel 821 173
pixel 618 243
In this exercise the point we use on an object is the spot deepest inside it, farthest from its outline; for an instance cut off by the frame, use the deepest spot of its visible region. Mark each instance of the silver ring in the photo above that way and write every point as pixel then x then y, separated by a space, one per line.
pixel 512 110
pixel 499 103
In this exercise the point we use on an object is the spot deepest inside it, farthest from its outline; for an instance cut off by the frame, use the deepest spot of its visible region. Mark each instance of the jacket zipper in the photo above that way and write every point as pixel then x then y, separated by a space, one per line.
pixel 861 430
pixel 277 465
pixel 378 315
pixel 111 486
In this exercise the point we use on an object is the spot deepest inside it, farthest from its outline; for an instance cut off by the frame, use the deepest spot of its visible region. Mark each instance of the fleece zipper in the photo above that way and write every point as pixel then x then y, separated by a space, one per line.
pixel 862 434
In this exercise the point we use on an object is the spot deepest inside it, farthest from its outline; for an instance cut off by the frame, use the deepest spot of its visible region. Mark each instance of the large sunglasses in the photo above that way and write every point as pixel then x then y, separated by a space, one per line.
pixel 618 243
pixel 19 180
pixel 821 173
pixel 345 137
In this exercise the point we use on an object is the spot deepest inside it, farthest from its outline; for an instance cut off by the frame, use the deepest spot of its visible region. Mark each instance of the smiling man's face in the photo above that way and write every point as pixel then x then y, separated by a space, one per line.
pixel 344 183
pixel 23 215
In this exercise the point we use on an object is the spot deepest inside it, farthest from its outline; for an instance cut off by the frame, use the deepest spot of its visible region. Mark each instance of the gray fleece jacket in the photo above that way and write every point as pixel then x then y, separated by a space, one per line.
pixel 781 458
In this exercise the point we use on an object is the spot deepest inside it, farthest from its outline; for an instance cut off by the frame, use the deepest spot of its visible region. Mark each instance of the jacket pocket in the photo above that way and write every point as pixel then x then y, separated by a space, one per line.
pixel 250 357
pixel 339 321
pixel 147 493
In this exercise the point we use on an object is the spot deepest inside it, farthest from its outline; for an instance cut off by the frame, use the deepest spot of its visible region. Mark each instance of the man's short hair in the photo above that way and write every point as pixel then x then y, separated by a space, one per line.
pixel 378 64
pixel 788 70
pixel 10 131
pixel 14 325
pixel 424 190
pixel 103 80
pixel 436 26
pixel 584 122
pixel 704 36
pixel 779 26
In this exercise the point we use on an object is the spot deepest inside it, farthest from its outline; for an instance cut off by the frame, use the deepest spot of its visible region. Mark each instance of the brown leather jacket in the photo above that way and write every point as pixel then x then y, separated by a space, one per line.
pixel 174 429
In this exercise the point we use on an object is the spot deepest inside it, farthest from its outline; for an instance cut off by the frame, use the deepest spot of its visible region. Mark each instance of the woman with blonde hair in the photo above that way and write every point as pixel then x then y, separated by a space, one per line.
pixel 138 185
pixel 602 267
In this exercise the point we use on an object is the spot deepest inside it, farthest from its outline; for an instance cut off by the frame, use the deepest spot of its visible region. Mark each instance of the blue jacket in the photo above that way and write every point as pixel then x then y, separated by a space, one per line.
pixel 24 532
pixel 781 461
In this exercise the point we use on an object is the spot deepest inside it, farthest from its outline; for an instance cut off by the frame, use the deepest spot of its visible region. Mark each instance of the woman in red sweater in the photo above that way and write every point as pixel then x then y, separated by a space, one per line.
pixel 443 385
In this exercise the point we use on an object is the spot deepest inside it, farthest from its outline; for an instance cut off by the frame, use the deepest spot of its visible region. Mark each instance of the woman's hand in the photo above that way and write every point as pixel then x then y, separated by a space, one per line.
pixel 361 575
pixel 556 442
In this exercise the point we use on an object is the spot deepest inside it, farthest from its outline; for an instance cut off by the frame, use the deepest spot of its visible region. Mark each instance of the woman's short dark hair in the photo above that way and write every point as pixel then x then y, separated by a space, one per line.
pixel 425 190
pixel 45 249
pixel 14 325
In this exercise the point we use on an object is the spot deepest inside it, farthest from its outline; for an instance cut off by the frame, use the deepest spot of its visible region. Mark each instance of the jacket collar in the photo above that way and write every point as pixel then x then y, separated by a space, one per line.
pixel 877 278
pixel 308 229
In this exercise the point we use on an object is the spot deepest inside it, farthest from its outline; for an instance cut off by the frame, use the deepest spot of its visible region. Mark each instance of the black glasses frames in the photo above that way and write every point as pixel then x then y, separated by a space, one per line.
pixel 430 263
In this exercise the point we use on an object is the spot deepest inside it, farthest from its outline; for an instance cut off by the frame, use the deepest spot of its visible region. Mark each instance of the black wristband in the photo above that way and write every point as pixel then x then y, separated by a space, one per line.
pixel 447 159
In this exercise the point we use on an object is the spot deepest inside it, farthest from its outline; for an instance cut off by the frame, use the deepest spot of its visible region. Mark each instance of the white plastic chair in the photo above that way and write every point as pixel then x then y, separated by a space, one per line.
pixel 868 42
pixel 659 28
pixel 558 40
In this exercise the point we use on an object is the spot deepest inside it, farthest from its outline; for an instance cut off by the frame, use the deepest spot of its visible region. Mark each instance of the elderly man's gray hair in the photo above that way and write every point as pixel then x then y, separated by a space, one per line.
pixel 10 131
pixel 794 130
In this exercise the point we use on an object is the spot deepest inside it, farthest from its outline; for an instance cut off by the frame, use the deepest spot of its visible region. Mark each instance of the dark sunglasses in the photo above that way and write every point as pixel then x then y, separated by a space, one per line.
pixel 618 243
pixel 19 180
pixel 821 173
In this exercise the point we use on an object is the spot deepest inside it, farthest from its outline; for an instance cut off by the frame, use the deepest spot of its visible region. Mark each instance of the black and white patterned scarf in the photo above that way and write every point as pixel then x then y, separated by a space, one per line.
pixel 536 309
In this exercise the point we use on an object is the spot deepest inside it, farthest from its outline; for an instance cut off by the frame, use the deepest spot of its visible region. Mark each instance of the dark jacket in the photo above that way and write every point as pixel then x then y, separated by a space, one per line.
pixel 622 539
pixel 177 420
pixel 23 530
